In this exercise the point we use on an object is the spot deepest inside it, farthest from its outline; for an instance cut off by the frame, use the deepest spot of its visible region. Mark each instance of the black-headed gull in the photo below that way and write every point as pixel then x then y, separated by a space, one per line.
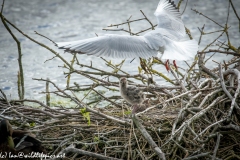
pixel 166 41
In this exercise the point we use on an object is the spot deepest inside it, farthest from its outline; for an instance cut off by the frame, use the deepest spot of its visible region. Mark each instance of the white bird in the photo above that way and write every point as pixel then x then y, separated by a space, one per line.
pixel 166 41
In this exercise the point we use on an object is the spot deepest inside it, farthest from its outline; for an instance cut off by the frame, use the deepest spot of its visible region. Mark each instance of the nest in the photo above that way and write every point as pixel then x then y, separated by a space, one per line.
pixel 196 121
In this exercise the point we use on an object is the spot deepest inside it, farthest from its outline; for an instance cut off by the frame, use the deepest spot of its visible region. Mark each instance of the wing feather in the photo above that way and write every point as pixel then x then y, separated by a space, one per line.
pixel 169 17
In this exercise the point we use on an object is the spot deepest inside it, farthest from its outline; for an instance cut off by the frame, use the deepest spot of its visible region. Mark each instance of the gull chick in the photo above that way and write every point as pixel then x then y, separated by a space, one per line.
pixel 133 95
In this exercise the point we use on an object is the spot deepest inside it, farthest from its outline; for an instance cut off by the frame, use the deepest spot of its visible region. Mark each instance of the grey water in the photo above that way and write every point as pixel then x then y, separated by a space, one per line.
pixel 62 20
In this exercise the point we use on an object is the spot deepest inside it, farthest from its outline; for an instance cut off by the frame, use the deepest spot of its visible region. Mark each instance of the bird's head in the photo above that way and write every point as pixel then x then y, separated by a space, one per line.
pixel 5 128
pixel 6 133
pixel 123 81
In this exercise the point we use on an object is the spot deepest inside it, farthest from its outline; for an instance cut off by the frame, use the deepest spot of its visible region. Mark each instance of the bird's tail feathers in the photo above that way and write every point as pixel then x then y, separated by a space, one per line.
pixel 183 50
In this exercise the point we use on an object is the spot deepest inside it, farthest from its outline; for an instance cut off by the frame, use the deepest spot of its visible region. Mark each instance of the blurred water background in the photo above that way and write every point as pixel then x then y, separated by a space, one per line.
pixel 62 20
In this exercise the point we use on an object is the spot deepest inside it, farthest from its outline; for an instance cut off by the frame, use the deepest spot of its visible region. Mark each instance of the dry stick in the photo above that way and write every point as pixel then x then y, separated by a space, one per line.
pixel 216 147
pixel 184 7
pixel 148 20
pixel 237 73
pixel 19 84
pixel 21 79
pixel 208 96
pixel 198 156
pixel 231 126
pixel 209 127
pixel 104 73
pixel 5 98
pixel 69 76
pixel 112 25
pixel 153 71
pixel 206 33
pixel 205 69
pixel 47 93
pixel 226 91
pixel 226 24
pixel 145 134
pixel 140 150
pixel 235 13
pixel 207 17
pixel 201 31
pixel 207 80
pixel 119 30
pixel 219 51
pixel 226 31
pixel 129 28
pixel 129 142
pixel 144 30
pixel 45 37
pixel 178 80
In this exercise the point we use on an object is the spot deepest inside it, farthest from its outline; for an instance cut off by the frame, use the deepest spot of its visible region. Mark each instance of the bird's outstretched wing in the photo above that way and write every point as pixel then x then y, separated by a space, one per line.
pixel 111 45
pixel 169 17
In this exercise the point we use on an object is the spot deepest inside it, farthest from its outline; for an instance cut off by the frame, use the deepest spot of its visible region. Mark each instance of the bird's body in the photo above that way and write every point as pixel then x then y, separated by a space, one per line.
pixel 6 135
pixel 166 41
pixel 18 141
pixel 133 95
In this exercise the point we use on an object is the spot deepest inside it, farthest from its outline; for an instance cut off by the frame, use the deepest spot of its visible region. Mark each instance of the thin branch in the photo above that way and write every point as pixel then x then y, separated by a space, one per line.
pixel 145 134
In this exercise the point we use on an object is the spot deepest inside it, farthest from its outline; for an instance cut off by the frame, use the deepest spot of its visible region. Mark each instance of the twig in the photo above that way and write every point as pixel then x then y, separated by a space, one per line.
pixel 207 17
pixel 145 134
pixel 226 91
pixel 216 146
pixel 21 75
pixel 219 51
pixel 148 20
pixel 198 156
pixel 45 37
pixel 209 127
pixel 234 10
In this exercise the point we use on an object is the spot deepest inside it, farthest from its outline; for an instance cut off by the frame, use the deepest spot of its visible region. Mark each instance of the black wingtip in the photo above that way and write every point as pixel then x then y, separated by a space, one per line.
pixel 173 4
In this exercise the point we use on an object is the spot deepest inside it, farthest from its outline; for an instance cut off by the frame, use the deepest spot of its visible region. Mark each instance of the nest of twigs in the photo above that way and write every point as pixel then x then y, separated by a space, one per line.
pixel 200 120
